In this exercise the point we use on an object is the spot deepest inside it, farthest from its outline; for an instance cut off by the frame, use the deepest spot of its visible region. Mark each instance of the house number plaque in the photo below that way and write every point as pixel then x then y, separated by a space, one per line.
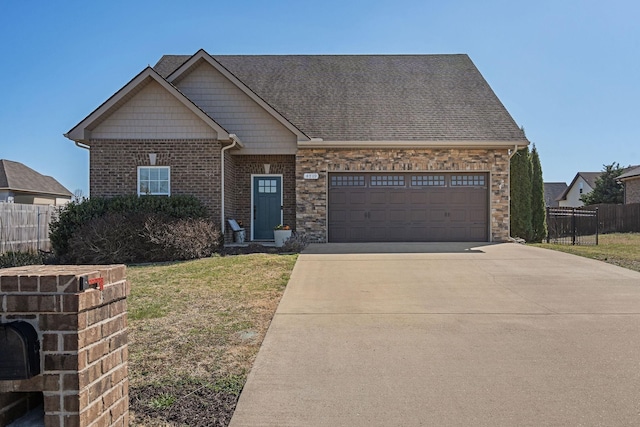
pixel 311 176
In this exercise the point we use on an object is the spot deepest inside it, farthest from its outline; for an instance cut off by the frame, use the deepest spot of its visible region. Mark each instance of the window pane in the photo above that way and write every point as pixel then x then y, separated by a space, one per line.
pixel 153 187
pixel 163 187
pixel 153 174
pixel 144 174
pixel 163 174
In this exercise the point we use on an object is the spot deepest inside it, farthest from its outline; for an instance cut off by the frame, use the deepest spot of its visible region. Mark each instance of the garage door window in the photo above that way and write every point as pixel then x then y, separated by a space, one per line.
pixel 467 181
pixel 427 181
pixel 347 181
pixel 387 181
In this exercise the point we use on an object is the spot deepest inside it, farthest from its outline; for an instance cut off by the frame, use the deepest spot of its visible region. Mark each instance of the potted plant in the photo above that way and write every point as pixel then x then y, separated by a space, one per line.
pixel 280 234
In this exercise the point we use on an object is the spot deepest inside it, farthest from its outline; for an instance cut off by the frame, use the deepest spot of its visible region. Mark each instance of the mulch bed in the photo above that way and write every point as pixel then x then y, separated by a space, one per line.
pixel 252 248
pixel 195 406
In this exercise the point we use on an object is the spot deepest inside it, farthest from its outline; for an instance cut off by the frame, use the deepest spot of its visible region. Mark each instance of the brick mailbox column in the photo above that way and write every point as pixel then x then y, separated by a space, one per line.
pixel 80 315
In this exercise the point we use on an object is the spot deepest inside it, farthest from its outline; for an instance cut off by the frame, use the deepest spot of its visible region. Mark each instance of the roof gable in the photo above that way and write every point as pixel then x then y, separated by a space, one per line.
pixel 82 132
pixel 588 177
pixel 371 97
pixel 16 176
pixel 202 56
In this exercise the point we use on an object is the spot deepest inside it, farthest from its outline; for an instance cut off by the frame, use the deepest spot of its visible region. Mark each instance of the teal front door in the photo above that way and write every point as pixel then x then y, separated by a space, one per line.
pixel 267 206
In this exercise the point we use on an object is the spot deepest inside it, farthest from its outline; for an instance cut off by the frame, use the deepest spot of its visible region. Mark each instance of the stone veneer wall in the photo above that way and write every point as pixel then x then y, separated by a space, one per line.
pixel 632 190
pixel 312 194
pixel 83 342
pixel 195 167
pixel 248 165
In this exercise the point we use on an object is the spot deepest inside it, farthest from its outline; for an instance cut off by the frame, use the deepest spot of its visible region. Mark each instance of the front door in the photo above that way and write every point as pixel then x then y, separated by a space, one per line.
pixel 267 206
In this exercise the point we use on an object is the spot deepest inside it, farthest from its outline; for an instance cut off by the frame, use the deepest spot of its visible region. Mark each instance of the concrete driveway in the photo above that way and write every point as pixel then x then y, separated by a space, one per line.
pixel 449 335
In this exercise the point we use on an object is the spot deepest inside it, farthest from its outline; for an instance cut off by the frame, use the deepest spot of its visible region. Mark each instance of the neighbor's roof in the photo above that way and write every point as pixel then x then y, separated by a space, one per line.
pixel 17 177
pixel 374 97
pixel 551 192
pixel 589 178
pixel 631 173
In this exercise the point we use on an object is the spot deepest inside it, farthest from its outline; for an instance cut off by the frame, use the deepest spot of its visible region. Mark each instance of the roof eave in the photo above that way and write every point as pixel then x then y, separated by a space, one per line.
pixel 82 134
pixel 316 143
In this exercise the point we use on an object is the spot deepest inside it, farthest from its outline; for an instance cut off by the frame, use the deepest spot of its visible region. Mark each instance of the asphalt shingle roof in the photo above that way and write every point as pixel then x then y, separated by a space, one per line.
pixel 374 97
pixel 18 177
pixel 630 172
pixel 552 190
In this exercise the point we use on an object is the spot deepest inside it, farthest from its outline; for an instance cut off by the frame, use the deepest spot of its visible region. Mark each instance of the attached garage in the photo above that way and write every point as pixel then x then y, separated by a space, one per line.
pixel 408 207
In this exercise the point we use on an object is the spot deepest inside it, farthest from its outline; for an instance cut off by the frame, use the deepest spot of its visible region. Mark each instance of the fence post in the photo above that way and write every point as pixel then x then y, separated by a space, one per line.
pixel 548 224
pixel 597 225
pixel 573 226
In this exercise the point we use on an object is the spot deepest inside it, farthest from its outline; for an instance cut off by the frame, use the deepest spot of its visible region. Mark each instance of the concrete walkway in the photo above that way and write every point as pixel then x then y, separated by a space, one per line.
pixel 449 335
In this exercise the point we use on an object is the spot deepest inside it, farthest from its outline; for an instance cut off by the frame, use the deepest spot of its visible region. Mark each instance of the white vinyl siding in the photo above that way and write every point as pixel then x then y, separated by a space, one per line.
pixel 153 113
pixel 154 181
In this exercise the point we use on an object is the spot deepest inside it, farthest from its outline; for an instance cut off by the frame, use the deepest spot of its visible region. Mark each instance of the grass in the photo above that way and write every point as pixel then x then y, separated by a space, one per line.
pixel 622 249
pixel 200 322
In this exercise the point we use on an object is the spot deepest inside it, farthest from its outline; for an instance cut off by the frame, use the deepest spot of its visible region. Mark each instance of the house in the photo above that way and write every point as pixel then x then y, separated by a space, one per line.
pixel 553 190
pixel 21 184
pixel 344 148
pixel 583 183
pixel 630 178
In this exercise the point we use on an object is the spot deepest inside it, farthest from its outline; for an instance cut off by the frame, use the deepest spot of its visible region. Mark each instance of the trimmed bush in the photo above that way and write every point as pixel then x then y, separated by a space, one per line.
pixel 76 215
pixel 141 237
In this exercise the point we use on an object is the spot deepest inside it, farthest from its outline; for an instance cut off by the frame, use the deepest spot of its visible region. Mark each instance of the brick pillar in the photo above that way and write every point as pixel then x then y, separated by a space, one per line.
pixel 83 340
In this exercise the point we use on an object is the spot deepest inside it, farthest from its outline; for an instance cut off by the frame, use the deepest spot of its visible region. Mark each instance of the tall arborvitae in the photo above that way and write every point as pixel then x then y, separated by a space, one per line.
pixel 538 212
pixel 521 194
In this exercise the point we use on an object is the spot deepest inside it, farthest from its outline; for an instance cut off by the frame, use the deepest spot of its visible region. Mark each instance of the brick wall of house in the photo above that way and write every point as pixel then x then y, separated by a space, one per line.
pixel 312 194
pixel 245 166
pixel 632 190
pixel 83 342
pixel 195 167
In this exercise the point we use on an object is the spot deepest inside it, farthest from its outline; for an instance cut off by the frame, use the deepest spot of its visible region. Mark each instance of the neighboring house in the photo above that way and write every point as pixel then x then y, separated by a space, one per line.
pixel 631 181
pixel 583 183
pixel 553 190
pixel 344 148
pixel 21 184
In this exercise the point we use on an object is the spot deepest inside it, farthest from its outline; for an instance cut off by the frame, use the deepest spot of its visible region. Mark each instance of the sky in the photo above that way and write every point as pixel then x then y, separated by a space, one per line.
pixel 567 71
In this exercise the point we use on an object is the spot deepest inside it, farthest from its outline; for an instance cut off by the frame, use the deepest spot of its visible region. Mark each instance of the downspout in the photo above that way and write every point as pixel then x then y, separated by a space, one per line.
pixel 515 150
pixel 235 142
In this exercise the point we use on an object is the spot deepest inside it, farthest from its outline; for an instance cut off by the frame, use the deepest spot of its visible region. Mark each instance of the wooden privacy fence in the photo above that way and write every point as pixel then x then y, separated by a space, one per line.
pixel 618 218
pixel 25 227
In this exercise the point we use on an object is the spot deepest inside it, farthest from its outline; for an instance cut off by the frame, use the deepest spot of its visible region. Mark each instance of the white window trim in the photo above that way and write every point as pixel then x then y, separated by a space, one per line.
pixel 168 168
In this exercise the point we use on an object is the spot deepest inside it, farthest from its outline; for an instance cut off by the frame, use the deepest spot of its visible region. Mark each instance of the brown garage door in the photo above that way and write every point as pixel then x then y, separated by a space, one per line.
pixel 408 207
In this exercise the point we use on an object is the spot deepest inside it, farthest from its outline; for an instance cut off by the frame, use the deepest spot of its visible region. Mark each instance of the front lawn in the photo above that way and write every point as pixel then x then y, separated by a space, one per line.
pixel 622 249
pixel 195 328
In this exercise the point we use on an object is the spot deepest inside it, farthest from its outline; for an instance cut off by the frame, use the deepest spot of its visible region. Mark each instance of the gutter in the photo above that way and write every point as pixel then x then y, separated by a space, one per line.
pixel 319 143
pixel 235 143
pixel 78 143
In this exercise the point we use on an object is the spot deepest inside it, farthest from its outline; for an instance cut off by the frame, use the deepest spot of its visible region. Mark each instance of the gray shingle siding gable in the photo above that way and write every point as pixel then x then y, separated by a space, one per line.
pixel 374 97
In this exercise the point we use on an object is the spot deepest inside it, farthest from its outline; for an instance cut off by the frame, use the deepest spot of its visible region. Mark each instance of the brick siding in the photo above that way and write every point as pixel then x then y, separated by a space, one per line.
pixel 312 194
pixel 244 167
pixel 632 190
pixel 195 167
pixel 83 341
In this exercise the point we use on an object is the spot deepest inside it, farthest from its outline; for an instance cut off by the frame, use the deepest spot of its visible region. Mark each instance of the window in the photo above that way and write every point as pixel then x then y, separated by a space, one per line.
pixel 467 180
pixel 387 180
pixel 154 180
pixel 427 180
pixel 347 181
pixel 267 186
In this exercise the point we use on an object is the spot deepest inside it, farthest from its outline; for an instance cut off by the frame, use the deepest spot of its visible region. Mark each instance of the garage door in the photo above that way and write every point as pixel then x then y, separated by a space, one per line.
pixel 408 207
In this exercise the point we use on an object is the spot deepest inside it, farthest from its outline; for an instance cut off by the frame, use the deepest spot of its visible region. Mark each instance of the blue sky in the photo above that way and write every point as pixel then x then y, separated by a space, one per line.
pixel 567 71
